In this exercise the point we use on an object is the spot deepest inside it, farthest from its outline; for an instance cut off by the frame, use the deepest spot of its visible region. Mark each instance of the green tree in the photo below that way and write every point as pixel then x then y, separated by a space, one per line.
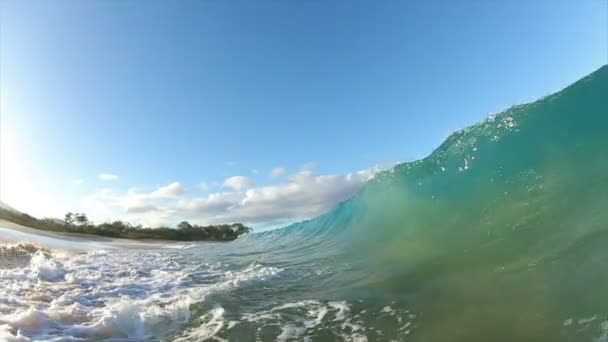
pixel 184 226
pixel 81 219
pixel 241 229
pixel 69 219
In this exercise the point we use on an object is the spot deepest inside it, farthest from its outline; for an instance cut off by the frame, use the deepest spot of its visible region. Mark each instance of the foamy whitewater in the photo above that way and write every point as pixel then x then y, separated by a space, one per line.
pixel 177 292
pixel 501 234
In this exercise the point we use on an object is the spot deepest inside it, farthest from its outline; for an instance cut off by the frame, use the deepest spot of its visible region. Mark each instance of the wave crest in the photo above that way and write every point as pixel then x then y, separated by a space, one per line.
pixel 19 254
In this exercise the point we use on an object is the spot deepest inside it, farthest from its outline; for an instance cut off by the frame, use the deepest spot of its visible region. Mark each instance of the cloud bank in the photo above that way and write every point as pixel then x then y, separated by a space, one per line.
pixel 300 196
pixel 238 183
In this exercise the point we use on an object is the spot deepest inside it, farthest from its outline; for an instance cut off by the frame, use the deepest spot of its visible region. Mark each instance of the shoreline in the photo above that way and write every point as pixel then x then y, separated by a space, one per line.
pixel 57 235
pixel 88 240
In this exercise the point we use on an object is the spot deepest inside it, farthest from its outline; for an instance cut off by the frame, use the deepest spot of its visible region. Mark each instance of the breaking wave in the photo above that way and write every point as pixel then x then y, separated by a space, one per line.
pixel 499 235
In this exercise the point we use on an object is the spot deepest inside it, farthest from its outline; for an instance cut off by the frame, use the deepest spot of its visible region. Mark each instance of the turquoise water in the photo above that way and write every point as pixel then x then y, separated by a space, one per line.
pixel 501 234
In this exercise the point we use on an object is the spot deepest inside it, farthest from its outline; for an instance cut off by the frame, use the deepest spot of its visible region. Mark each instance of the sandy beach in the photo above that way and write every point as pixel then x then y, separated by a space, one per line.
pixel 13 232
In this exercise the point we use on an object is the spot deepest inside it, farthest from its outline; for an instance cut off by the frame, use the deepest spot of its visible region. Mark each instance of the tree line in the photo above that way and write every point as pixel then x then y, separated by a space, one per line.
pixel 80 224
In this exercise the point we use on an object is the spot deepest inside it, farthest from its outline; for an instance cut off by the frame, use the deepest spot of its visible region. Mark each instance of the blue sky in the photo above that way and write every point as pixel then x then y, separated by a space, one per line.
pixel 166 96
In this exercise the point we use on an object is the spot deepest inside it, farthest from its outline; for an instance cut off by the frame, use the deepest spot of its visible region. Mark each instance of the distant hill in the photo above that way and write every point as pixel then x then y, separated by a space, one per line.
pixel 7 207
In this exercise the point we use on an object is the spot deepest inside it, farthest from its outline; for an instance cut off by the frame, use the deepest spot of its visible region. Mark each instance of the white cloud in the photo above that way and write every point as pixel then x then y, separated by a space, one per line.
pixel 276 172
pixel 308 166
pixel 137 201
pixel 106 205
pixel 238 183
pixel 203 186
pixel 78 181
pixel 101 205
pixel 107 176
pixel 302 195
pixel 169 190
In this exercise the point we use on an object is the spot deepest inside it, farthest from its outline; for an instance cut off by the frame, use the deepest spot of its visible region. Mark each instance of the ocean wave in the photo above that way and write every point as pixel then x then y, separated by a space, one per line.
pixel 498 235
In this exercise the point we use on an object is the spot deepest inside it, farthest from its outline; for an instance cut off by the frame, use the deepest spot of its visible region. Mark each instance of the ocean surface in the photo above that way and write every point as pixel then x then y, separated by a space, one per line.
pixel 501 234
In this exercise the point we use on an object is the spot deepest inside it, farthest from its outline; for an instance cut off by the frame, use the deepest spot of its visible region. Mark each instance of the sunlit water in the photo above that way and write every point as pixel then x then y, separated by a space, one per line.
pixel 500 235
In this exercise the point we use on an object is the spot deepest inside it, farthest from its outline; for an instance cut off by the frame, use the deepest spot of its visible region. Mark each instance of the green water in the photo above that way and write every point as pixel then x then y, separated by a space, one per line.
pixel 501 234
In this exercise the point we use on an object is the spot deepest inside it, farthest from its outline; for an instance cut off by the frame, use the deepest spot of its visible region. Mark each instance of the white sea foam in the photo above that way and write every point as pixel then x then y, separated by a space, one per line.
pixel 300 320
pixel 178 246
pixel 45 268
pixel 118 295
pixel 7 336
pixel 122 294
pixel 291 332
pixel 211 324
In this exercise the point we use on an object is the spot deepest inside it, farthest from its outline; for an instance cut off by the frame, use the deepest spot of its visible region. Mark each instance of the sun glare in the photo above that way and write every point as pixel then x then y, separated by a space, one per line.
pixel 18 186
